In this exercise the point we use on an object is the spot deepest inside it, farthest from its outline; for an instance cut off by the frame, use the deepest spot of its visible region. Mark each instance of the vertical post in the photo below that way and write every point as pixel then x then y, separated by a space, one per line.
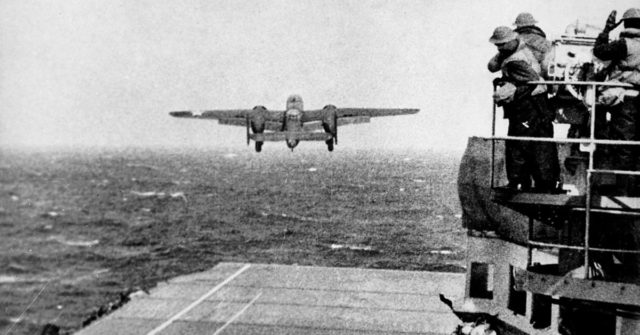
pixel 587 224
pixel 530 249
pixel 493 134
pixel 587 216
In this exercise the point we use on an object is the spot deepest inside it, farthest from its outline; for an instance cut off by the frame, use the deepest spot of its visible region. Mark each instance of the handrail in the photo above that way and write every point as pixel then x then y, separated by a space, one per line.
pixel 623 172
pixel 560 140
pixel 579 83
pixel 608 211
pixel 592 142
pixel 581 247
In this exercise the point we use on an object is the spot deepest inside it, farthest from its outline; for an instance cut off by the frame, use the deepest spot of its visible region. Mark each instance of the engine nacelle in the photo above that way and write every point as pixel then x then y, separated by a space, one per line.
pixel 330 119
pixel 330 124
pixel 258 119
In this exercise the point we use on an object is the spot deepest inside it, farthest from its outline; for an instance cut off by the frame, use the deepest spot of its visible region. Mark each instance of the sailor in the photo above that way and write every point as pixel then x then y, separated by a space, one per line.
pixel 623 104
pixel 525 106
pixel 534 38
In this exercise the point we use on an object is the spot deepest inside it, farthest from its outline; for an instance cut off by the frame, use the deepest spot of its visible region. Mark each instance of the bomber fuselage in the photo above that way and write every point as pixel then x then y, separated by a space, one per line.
pixel 293 118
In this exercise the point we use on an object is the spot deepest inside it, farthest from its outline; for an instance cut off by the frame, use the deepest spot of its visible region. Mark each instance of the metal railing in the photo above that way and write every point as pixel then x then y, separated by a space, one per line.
pixel 591 143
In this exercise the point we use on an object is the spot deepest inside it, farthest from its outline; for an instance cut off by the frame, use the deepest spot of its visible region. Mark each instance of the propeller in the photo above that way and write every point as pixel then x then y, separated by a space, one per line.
pixel 335 128
pixel 248 125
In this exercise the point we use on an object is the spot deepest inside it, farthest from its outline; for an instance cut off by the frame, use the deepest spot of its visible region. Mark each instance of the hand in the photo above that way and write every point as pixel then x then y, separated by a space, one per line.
pixel 611 22
pixel 504 94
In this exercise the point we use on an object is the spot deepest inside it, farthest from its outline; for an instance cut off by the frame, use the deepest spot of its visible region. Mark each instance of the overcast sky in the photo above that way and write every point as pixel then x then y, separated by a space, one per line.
pixel 106 73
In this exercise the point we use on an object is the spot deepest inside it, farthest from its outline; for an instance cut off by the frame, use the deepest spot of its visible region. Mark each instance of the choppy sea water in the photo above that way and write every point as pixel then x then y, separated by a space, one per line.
pixel 81 230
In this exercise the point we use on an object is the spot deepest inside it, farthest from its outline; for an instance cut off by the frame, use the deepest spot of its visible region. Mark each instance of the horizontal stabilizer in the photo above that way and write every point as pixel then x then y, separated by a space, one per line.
pixel 283 136
pixel 353 120
pixel 312 126
pixel 273 125
pixel 228 120
pixel 318 125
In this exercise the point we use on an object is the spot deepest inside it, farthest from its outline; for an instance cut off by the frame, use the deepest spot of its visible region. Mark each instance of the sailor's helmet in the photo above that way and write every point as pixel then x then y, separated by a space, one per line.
pixel 525 19
pixel 503 34
pixel 631 13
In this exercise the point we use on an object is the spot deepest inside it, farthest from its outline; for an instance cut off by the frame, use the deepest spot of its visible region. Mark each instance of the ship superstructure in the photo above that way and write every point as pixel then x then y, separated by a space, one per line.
pixel 562 263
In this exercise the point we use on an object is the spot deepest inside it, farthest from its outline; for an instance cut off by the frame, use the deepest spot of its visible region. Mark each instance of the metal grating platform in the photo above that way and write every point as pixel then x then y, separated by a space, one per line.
pixel 578 288
pixel 554 208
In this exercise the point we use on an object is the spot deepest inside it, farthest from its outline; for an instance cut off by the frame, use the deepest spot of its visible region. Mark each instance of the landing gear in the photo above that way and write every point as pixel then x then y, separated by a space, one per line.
pixel 329 144
pixel 259 146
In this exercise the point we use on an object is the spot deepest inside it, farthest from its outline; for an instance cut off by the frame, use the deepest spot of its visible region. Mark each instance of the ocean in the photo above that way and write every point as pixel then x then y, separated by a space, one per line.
pixel 80 230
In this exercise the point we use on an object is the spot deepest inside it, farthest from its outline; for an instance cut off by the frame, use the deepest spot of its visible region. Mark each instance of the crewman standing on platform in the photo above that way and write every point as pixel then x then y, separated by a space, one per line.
pixel 526 108
pixel 623 104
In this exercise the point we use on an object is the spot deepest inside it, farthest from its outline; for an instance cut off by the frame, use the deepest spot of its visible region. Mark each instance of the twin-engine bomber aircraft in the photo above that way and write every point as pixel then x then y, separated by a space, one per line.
pixel 293 124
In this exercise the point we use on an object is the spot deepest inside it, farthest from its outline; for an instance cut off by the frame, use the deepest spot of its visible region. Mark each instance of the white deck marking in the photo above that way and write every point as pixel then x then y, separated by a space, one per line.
pixel 233 318
pixel 197 302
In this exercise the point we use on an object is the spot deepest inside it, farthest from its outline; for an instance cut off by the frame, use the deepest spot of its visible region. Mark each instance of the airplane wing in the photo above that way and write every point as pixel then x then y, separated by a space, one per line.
pixel 214 114
pixel 373 112
pixel 234 117
pixel 353 120
pixel 317 125
pixel 357 115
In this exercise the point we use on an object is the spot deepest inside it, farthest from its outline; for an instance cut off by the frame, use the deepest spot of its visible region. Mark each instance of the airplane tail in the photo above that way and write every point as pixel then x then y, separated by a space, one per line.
pixel 284 136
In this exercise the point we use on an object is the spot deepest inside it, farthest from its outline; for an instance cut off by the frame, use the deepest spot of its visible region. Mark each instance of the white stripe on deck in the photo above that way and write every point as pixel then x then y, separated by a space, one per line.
pixel 197 302
pixel 233 318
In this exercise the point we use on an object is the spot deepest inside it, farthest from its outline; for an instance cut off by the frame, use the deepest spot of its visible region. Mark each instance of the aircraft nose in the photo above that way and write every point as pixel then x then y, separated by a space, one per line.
pixel 292 143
